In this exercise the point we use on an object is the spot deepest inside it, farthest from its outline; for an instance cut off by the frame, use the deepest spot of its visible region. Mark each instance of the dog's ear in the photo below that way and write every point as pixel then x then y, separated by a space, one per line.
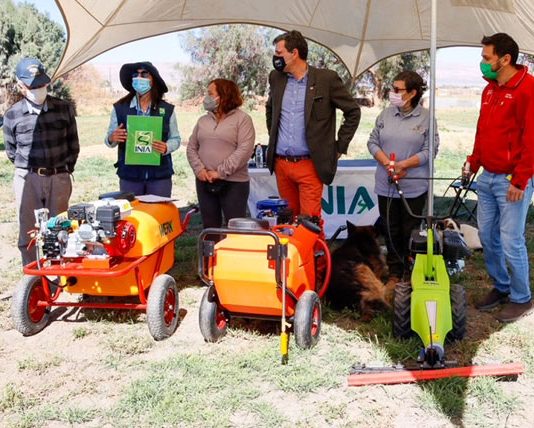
pixel 450 223
pixel 351 228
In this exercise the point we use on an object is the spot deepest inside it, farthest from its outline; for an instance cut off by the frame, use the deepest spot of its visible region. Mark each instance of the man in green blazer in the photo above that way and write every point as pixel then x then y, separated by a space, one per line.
pixel 301 120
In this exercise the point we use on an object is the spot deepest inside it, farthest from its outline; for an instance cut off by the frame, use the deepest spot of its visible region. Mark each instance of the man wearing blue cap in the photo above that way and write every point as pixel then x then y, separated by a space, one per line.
pixel 41 139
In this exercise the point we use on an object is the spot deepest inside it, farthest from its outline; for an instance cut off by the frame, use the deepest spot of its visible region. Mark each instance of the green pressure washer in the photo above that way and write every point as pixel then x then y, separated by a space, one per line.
pixel 429 305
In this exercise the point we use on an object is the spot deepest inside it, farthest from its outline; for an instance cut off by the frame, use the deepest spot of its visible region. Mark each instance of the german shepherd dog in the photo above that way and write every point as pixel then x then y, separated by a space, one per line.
pixel 357 268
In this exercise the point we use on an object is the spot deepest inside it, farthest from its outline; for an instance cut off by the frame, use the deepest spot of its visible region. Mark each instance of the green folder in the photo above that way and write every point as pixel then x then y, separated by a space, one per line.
pixel 142 131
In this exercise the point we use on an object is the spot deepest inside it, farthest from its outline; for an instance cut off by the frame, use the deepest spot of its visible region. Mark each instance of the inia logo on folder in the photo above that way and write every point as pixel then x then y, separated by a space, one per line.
pixel 142 132
pixel 143 142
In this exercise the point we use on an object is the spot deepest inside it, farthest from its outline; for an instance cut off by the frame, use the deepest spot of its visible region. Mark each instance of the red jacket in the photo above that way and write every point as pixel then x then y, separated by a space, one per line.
pixel 504 142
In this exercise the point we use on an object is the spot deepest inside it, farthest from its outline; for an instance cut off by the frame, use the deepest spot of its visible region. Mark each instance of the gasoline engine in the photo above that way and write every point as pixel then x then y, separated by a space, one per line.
pixel 94 230
pixel 448 242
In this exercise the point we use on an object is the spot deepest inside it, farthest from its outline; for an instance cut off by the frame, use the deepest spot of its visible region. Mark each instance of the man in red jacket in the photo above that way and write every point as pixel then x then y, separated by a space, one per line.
pixel 504 147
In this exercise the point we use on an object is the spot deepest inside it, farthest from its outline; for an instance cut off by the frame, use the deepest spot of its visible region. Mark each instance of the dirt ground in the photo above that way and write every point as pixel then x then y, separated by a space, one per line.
pixel 91 364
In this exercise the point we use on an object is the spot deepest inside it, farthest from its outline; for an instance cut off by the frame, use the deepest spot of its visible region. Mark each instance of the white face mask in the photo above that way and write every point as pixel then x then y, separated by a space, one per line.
pixel 36 96
pixel 396 99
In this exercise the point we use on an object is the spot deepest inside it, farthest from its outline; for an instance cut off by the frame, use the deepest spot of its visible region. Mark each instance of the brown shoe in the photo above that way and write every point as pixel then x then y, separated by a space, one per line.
pixel 491 300
pixel 513 311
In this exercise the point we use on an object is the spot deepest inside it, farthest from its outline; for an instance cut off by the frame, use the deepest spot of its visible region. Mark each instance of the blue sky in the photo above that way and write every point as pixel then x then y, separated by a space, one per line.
pixel 457 66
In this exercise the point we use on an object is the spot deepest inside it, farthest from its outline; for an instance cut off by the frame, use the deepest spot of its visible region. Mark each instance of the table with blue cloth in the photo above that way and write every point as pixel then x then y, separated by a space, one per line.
pixel 349 197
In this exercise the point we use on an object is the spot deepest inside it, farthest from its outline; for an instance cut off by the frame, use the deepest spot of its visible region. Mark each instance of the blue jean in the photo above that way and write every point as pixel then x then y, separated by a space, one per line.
pixel 161 187
pixel 502 233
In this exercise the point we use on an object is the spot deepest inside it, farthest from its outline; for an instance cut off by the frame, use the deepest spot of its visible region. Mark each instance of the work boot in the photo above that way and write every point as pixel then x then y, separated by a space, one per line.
pixel 491 300
pixel 513 311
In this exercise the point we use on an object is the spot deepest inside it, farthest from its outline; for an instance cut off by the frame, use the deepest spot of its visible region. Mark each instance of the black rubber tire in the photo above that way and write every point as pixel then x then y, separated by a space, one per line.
pixel 307 321
pixel 211 319
pixel 163 307
pixel 27 318
pixel 402 299
pixel 459 313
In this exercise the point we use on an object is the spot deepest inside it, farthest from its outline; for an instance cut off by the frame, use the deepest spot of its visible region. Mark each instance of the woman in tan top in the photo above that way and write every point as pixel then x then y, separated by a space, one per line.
pixel 218 152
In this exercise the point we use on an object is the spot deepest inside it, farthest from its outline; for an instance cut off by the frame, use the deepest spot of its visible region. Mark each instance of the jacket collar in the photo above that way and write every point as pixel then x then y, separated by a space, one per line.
pixel 28 107
pixel 415 112
pixel 516 79
pixel 214 117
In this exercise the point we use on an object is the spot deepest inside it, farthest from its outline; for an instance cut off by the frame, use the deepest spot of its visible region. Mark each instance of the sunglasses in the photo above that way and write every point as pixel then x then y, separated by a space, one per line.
pixel 397 90
pixel 142 73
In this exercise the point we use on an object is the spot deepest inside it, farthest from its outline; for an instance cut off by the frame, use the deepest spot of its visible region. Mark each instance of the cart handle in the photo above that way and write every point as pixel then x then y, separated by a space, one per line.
pixel 220 231
pixel 188 215
pixel 394 178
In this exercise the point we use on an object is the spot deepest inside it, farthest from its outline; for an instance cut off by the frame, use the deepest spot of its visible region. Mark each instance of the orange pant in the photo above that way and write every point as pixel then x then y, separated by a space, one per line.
pixel 300 185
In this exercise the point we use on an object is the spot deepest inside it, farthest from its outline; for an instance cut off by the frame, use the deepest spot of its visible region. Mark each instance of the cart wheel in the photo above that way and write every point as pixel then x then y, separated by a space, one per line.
pixel 307 323
pixel 402 324
pixel 27 316
pixel 211 318
pixel 459 310
pixel 162 307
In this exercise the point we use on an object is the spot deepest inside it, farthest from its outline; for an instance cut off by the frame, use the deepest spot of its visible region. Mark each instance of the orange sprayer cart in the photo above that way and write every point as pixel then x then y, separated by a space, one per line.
pixel 258 272
pixel 117 247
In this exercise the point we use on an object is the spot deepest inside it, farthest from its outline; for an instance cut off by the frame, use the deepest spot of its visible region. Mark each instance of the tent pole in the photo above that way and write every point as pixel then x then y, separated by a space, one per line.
pixel 431 142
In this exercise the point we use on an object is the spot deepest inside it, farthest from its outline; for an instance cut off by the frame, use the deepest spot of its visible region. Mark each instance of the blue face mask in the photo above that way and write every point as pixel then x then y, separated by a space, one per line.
pixel 141 85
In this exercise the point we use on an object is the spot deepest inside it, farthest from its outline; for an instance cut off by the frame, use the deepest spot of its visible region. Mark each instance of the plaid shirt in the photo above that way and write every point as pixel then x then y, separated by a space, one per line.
pixel 45 140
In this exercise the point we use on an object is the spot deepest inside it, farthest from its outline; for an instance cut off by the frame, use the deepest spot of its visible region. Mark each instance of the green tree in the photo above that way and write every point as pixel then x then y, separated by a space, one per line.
pixel 24 31
pixel 236 52
pixel 243 53
pixel 528 61
pixel 322 57
pixel 379 78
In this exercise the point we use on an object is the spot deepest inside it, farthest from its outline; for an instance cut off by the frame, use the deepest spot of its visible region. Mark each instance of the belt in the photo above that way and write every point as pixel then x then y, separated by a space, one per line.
pixel 46 172
pixel 293 158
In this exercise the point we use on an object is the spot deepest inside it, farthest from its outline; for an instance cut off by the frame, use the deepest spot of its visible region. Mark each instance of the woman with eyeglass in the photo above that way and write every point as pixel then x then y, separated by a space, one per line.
pixel 145 98
pixel 402 128
pixel 218 151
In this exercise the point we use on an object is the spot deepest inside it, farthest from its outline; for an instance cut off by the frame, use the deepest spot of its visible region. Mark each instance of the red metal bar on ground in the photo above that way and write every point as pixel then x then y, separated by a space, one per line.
pixel 132 306
pixel 411 376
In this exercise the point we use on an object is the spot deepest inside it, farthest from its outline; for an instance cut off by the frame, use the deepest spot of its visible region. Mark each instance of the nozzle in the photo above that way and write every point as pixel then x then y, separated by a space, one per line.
pixel 391 169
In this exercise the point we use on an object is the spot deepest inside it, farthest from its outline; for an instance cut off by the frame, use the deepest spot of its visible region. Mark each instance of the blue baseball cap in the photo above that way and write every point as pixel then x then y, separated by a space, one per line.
pixel 32 73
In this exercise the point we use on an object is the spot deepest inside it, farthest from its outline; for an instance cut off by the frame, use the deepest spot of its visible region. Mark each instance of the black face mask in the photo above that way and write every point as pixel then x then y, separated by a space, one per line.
pixel 279 63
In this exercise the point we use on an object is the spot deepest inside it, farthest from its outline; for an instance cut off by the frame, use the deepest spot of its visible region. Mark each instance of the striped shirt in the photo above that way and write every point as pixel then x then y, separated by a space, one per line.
pixel 292 130
pixel 48 139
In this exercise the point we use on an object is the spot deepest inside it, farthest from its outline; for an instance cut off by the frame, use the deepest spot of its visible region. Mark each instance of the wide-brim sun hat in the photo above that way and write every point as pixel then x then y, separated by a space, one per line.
pixel 127 70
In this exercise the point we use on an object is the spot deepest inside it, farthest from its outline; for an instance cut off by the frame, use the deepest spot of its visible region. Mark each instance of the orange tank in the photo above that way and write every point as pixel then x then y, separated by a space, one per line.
pixel 245 279
pixel 255 271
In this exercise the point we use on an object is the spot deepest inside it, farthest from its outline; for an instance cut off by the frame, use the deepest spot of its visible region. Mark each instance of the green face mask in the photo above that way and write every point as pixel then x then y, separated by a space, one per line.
pixel 487 72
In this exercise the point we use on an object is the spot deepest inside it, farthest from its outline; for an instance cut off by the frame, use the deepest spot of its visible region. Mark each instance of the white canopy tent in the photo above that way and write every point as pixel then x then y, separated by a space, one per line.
pixel 360 32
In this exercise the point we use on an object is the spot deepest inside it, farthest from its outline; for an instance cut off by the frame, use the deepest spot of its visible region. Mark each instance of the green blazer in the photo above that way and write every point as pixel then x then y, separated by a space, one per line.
pixel 325 93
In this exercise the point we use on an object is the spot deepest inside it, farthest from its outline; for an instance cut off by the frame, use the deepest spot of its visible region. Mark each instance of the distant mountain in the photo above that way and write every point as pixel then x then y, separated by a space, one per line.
pixel 459 76
pixel 168 71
